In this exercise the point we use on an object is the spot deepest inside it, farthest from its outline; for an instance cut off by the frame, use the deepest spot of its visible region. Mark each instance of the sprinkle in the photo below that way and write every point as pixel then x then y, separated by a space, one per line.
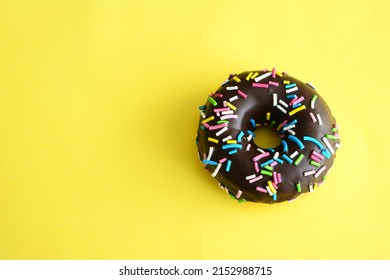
pixel 276 155
pixel 260 156
pixel 255 75
pixel 298 185
pixel 249 76
pixel 218 126
pixel 231 106
pixel 221 109
pixel 313 100
pixel 282 124
pixel 213 140
pixel 297 110
pixel 313 119
pixel 219 132
pixel 318 155
pixel 216 170
pixel 212 101
pixel 285 147
pixel 290 85
pixel 222 160
pixel 259 85
pixel 274 197
pixel 250 177
pixel 253 123
pixel 229 117
pixel 231 99
pixel 337 145
pixel 208 119
pixel 319 119
pixel 291 96
pixel 242 94
pixel 260 150
pixel 232 88
pixel 294 154
pixel 210 162
pixel 269 115
pixel 314 163
pixel 299 159
pixel 260 189
pixel 308 173
pixel 272 164
pixel 288 127
pixel 248 147
pixel 275 99
pixel 278 160
pixel 202 114
pixel 275 177
pixel 279 177
pixel 326 153
pixel 255 179
pixel 263 76
pixel 231 141
pixel 211 150
pixel 231 146
pixel 265 172
pixel 273 72
pixel 269 191
pixel 313 140
pixel 328 145
pixel 232 152
pixel 311 187
pixel 298 100
pixel 237 79
pixel 311 85
pixel 286 82
pixel 316 159
pixel 319 171
pixel 330 136
pixel 289 160
pixel 273 83
pixel 228 164
pixel 266 163
pixel 227 138
pixel 292 132
pixel 239 193
pixel 281 109
pixel 256 165
pixel 297 141
pixel 225 82
pixel 271 186
pixel 283 103
pixel 291 89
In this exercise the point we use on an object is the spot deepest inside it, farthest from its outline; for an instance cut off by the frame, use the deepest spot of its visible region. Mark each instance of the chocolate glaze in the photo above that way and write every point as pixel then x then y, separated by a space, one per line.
pixel 258 103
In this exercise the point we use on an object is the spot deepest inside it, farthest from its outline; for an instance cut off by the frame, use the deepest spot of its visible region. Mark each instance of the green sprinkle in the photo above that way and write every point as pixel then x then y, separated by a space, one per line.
pixel 312 162
pixel 330 136
pixel 324 178
pixel 242 200
pixel 222 121
pixel 232 196
pixel 335 129
pixel 265 172
pixel 212 101
pixel 314 97
pixel 298 185
pixel 299 159
pixel 272 124
pixel 268 167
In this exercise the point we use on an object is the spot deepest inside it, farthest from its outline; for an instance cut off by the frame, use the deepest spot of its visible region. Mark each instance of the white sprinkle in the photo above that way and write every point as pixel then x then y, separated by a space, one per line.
pixel 294 154
pixel 313 118
pixel 231 99
pixel 276 155
pixel 225 82
pixel 292 132
pixel 288 127
pixel 275 95
pixel 211 150
pixel 227 112
pixel 291 89
pixel 281 109
pixel 229 117
pixel 337 145
pixel 202 114
pixel 319 119
pixel 311 188
pixel 227 138
pixel 249 137
pixel 283 103
pixel 232 88
pixel 312 102
pixel 308 173
pixel 311 85
pixel 248 147
pixel 259 78
pixel 261 151
pixel 319 171
pixel 328 145
pixel 269 191
pixel 219 132
pixel 250 177
pixel 216 170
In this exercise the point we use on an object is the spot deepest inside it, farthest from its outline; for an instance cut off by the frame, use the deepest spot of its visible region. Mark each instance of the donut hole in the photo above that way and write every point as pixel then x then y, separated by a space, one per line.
pixel 266 138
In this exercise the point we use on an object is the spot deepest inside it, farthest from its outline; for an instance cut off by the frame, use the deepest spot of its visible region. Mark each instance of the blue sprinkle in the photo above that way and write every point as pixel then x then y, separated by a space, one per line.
pixel 202 127
pixel 291 123
pixel 313 140
pixel 326 153
pixel 210 162
pixel 285 147
pixel 274 197
pixel 228 164
pixel 289 160
pixel 251 133
pixel 239 136
pixel 279 160
pixel 297 141
pixel 271 150
pixel 291 96
pixel 232 152
pixel 202 107
pixel 290 85
pixel 253 123
pixel 231 146
pixel 266 163
pixel 296 105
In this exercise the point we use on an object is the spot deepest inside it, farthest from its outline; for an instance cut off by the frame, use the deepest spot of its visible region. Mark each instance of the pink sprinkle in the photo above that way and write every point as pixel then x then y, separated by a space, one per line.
pixel 265 70
pixel 221 109
pixel 298 100
pixel 274 185
pixel 248 147
pixel 238 194
pixel 313 118
pixel 229 117
pixel 318 155
pixel 206 125
pixel 255 179
pixel 308 173
pixel 260 189
pixel 224 103
pixel 256 167
pixel 218 126
pixel 279 177
pixel 273 83
pixel 259 85
pixel 242 94
pixel 292 101
pixel 216 95
pixel 319 171
pixel 273 72
pixel 275 177
pixel 272 164
pixel 313 157
pixel 260 156
pixel 222 160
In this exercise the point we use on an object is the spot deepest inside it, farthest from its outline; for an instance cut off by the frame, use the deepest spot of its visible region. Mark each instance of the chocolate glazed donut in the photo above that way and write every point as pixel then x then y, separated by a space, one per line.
pixel 292 109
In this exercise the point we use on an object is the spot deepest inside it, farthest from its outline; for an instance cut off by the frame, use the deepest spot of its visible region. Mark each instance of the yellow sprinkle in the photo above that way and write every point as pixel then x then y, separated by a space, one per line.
pixel 297 110
pixel 249 76
pixel 213 140
pixel 231 106
pixel 231 141
pixel 279 74
pixel 208 119
pixel 315 186
pixel 271 187
pixel 268 116
pixel 237 79
pixel 286 82
pixel 255 75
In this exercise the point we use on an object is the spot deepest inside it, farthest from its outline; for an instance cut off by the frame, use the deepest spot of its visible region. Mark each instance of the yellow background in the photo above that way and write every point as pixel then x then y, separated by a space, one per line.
pixel 98 115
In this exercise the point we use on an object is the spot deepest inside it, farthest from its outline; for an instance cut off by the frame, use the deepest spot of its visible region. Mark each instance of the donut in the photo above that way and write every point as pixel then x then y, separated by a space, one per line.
pixel 293 110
